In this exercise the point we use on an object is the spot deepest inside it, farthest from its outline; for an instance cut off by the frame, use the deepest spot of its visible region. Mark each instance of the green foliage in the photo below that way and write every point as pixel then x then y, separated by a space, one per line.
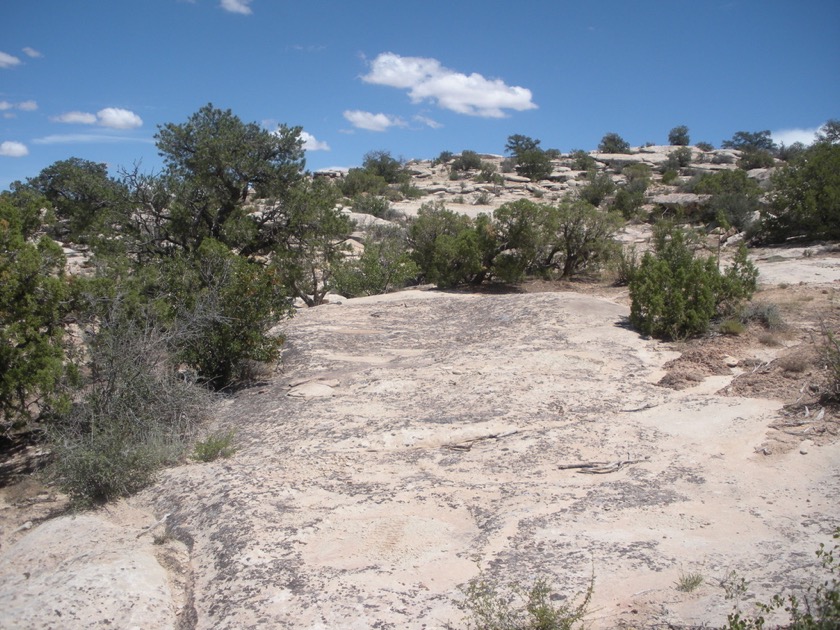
pixel 598 187
pixel 518 144
pixel 445 246
pixel 613 143
pixel 732 326
pixel 628 202
pixel 734 197
pixel 33 301
pixel 750 141
pixel 371 204
pixel 85 200
pixel 705 146
pixel 443 158
pixel 669 176
pixel 626 265
pixel 805 198
pixel 675 295
pixel 224 306
pixel 767 315
pixel 816 609
pixel 214 446
pixel 467 161
pixel 213 162
pixel 678 136
pixel 383 164
pixel 584 236
pixel 385 265
pixel 358 181
pixel 755 158
pixel 134 413
pixel 582 161
pixel 829 132
pixel 491 606
pixel 678 158
pixel 689 582
pixel 535 164
pixel 313 241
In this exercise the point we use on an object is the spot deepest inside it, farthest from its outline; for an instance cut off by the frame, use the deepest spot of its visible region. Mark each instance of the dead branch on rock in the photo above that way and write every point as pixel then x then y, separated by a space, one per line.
pixel 602 468
pixel 642 408
pixel 466 445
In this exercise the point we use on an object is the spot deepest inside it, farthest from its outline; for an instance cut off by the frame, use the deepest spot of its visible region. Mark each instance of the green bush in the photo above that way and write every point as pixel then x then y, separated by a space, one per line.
pixel 582 161
pixel 678 158
pixel 598 187
pixel 34 298
pixel 705 146
pixel 734 197
pixel 384 165
pixel 225 306
pixel 756 158
pixel 385 265
pixel 678 136
pixel 214 446
pixel 444 246
pixel 134 414
pixel 467 161
pixel 491 606
pixel 613 143
pixel 805 197
pixel 534 164
pixel 816 609
pixel 358 181
pixel 675 295
pixel 371 204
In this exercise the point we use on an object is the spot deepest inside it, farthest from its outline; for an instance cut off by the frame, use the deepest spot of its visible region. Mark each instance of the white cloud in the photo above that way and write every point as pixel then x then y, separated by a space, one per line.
pixel 10 148
pixel 87 138
pixel 427 80
pixel 111 117
pixel 8 61
pixel 789 136
pixel 79 118
pixel 371 121
pixel 237 6
pixel 116 118
pixel 311 143
pixel 31 52
pixel 26 106
pixel 424 120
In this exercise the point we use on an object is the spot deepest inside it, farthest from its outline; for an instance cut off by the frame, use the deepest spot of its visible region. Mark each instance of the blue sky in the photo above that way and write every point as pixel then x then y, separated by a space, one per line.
pixel 94 78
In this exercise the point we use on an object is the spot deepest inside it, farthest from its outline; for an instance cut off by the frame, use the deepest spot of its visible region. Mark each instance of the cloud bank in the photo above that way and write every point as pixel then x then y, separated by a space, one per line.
pixel 10 148
pixel 110 117
pixel 31 52
pixel 371 121
pixel 427 80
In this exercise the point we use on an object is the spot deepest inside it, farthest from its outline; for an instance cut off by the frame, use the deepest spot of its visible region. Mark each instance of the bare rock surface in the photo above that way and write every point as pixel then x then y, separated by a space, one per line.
pixel 439 453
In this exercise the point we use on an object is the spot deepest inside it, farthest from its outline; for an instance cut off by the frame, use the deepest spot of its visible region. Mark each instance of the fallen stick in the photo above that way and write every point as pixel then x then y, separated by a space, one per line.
pixel 642 408
pixel 602 468
pixel 468 444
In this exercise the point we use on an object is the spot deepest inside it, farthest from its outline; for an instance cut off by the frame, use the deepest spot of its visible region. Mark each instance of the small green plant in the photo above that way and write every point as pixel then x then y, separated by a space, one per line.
pixel 689 582
pixel 613 143
pixel 492 607
pixel 483 199
pixel 818 608
pixel 767 315
pixel 705 146
pixel 669 177
pixel 731 327
pixel 214 446
pixel 626 264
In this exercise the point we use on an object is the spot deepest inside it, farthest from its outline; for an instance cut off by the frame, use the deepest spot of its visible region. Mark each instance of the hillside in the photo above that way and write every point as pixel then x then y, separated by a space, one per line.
pixel 408 443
